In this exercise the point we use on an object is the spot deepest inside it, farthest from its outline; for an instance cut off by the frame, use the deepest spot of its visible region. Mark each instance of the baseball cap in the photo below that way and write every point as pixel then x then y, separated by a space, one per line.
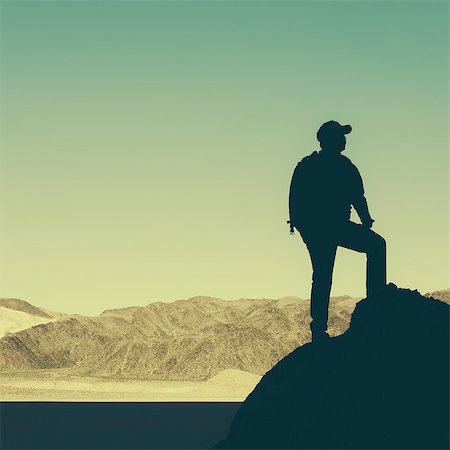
pixel 331 128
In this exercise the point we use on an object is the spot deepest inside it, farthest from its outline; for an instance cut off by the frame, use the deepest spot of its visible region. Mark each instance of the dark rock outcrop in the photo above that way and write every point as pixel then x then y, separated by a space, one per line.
pixel 383 384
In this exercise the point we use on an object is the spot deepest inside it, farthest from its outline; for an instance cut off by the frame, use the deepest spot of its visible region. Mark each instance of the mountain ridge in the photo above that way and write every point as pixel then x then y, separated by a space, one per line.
pixel 188 339
pixel 24 306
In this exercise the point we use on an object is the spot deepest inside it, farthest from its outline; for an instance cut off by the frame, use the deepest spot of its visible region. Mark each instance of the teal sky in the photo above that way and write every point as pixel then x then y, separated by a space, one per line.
pixel 147 147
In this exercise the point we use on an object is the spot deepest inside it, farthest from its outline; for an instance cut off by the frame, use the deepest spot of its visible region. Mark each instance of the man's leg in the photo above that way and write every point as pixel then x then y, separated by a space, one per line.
pixel 364 240
pixel 322 260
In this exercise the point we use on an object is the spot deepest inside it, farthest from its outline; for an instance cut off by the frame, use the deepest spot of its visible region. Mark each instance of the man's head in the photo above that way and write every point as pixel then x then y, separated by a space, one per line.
pixel 331 136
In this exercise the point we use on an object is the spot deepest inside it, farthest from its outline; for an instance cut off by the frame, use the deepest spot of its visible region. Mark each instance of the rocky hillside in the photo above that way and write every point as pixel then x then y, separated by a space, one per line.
pixel 192 339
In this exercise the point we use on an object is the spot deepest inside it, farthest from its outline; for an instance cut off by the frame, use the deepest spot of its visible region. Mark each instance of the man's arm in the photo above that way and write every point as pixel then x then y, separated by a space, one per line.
pixel 359 201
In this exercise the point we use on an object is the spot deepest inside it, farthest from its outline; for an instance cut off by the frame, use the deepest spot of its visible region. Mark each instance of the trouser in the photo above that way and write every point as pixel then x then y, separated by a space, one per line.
pixel 322 251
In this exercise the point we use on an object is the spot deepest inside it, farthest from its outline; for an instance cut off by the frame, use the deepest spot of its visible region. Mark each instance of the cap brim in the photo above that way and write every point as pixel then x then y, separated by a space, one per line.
pixel 346 129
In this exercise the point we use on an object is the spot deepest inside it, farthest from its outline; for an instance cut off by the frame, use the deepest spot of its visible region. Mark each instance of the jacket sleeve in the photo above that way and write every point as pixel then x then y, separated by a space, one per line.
pixel 359 201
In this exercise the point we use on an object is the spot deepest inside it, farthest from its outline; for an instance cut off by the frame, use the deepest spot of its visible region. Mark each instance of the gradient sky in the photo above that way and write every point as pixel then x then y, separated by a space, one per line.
pixel 147 147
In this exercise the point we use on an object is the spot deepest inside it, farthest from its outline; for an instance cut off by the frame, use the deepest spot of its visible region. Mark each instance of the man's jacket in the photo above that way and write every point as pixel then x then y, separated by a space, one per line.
pixel 323 189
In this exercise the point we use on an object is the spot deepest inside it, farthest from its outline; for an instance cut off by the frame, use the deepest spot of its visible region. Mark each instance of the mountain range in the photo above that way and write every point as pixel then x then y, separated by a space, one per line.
pixel 185 340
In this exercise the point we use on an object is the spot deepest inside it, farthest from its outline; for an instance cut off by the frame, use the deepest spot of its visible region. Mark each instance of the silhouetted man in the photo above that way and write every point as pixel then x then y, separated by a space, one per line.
pixel 324 187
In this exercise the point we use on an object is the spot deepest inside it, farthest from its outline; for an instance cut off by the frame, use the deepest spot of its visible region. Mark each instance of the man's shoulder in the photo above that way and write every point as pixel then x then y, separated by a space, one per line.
pixel 347 162
pixel 345 159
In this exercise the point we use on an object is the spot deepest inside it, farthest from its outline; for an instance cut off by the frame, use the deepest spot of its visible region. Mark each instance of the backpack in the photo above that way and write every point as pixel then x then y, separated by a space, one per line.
pixel 300 183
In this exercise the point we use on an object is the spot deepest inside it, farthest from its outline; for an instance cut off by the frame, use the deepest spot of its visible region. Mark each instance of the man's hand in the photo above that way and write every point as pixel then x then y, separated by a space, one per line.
pixel 368 223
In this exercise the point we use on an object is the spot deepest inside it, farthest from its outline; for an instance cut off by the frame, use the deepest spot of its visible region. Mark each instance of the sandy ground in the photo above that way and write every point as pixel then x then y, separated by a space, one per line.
pixel 229 385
